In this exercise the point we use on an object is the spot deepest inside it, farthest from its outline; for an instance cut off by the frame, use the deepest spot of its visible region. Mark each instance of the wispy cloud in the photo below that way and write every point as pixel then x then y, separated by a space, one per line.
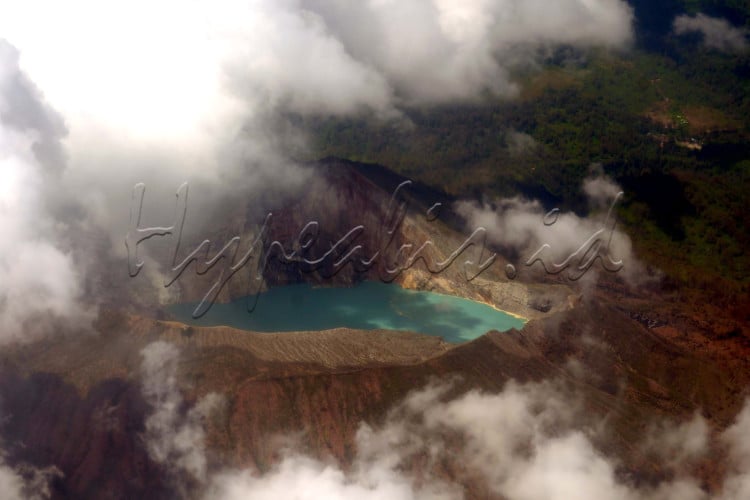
pixel 737 483
pixel 528 442
pixel 174 434
pixel 11 483
pixel 25 482
pixel 532 441
pixel 717 33
pixel 39 281
pixel 523 226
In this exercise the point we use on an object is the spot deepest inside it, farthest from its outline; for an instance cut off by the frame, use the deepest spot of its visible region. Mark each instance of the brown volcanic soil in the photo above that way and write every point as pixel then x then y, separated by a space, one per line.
pixel 75 402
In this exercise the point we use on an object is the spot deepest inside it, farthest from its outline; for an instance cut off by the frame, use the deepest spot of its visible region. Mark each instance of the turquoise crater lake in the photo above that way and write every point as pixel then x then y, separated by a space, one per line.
pixel 366 306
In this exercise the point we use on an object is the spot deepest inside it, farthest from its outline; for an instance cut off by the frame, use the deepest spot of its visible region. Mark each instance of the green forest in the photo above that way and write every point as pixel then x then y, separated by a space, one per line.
pixel 668 119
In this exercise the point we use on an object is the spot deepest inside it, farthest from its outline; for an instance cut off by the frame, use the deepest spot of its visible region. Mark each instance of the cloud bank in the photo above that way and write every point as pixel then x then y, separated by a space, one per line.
pixel 528 442
pixel 205 93
pixel 24 482
pixel 437 50
pixel 717 33
pixel 39 281
pixel 524 227
pixel 196 90
pixel 737 484
pixel 11 483
pixel 303 55
pixel 199 90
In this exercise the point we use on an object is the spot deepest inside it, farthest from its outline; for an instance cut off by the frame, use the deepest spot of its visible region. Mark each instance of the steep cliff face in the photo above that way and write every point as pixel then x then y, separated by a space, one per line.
pixel 350 223
pixel 301 237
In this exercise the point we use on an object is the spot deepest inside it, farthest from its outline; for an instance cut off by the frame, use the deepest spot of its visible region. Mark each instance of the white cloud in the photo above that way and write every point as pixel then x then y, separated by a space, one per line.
pixel 25 482
pixel 11 484
pixel 526 441
pixel 174 438
pixel 200 91
pixel 530 441
pixel 438 50
pixel 717 33
pixel 301 478
pixel 600 190
pixel 523 226
pixel 175 84
pixel 737 483
pixel 39 282
pixel 678 444
pixel 520 143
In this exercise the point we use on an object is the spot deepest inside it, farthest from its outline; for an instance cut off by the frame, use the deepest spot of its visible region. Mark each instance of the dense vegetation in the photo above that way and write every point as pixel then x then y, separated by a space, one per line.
pixel 669 120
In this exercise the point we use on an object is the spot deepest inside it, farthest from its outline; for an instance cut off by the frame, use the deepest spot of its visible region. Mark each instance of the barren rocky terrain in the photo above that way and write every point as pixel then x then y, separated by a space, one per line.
pixel 75 402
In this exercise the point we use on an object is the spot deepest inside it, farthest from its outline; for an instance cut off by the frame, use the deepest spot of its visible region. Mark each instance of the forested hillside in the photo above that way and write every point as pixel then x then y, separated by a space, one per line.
pixel 668 119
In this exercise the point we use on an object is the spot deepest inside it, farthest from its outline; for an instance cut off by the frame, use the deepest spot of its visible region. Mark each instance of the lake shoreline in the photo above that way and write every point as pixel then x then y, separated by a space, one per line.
pixel 368 305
